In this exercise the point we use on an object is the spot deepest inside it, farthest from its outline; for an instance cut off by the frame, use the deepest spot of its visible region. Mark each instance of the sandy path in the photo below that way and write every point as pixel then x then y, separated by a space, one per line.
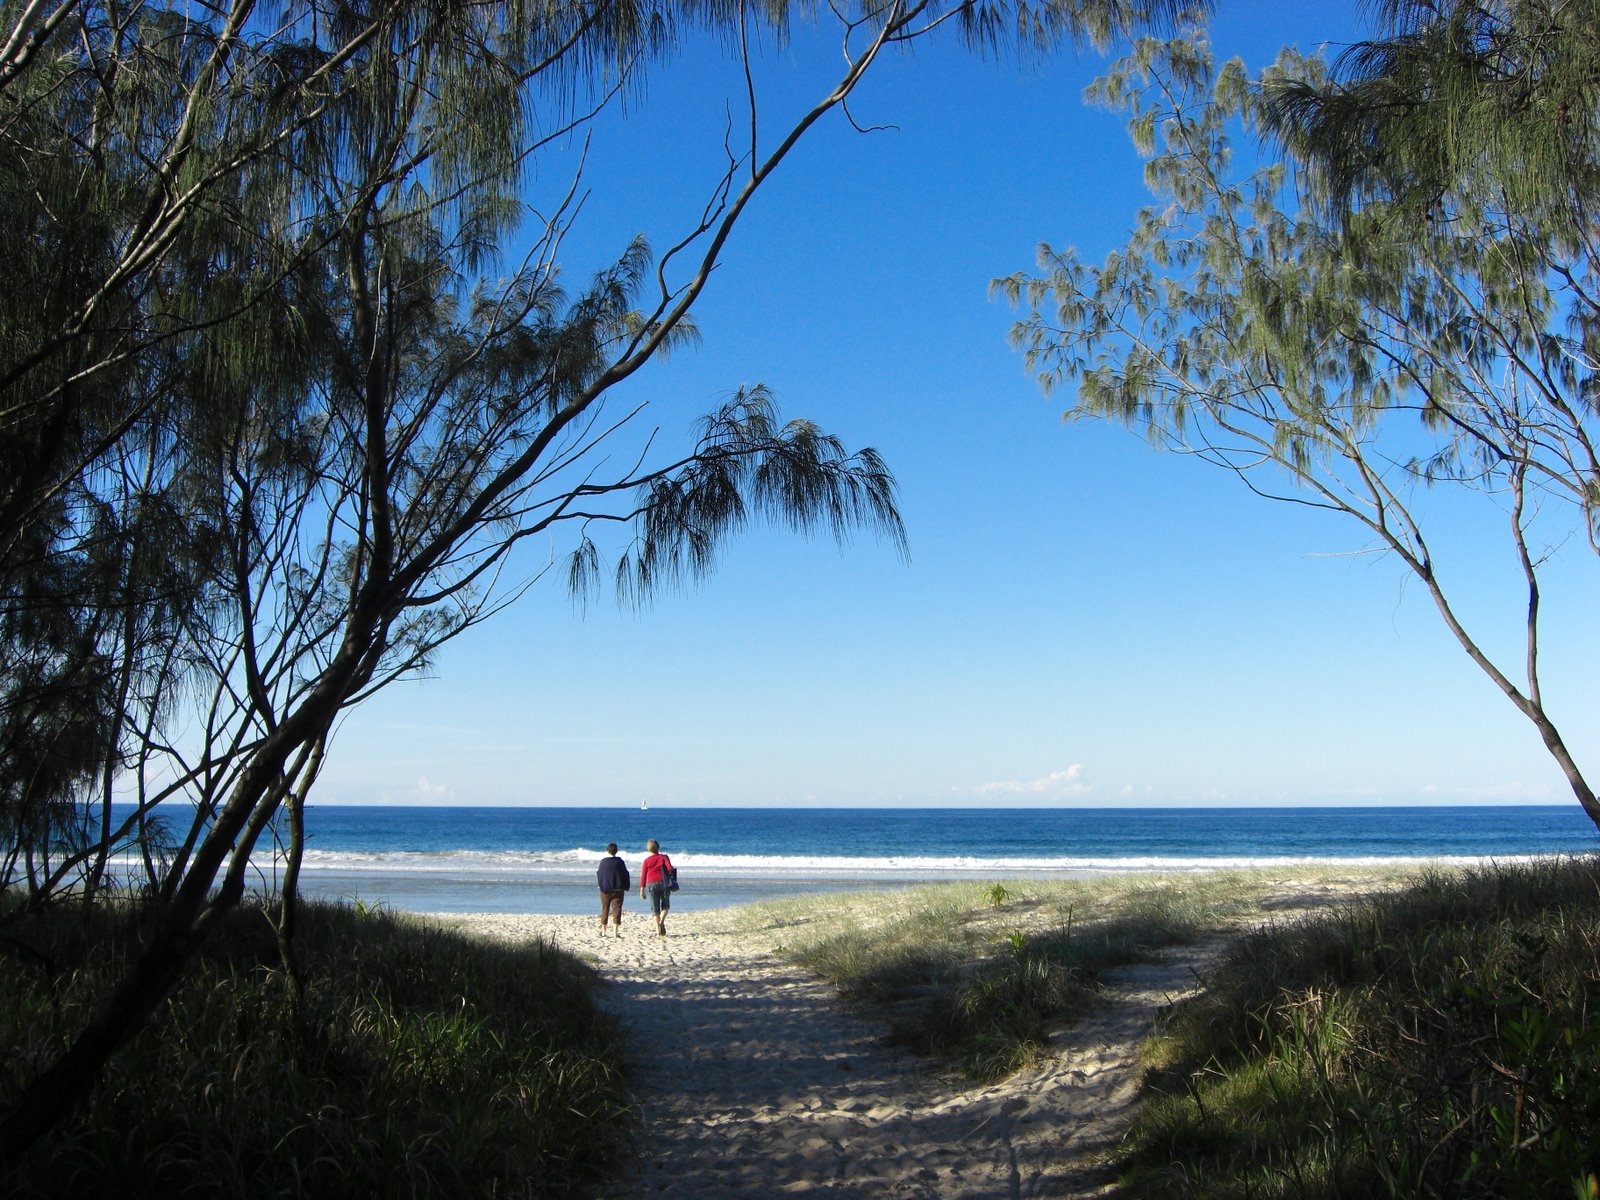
pixel 759 1083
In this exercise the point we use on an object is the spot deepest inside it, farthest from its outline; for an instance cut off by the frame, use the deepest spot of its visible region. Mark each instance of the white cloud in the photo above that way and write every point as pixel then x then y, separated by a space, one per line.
pixel 1058 783
pixel 428 791
pixel 1511 792
pixel 424 791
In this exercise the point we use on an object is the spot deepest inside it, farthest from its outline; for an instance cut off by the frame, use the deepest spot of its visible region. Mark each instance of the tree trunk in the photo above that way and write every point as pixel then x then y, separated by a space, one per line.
pixel 289 895
pixel 193 911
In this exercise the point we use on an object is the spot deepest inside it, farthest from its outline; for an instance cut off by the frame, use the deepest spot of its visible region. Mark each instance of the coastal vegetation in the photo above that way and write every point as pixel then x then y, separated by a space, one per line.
pixel 312 378
pixel 293 370
pixel 408 1060
pixel 1382 301
pixel 982 975
pixel 298 357
pixel 1405 1033
pixel 1437 1040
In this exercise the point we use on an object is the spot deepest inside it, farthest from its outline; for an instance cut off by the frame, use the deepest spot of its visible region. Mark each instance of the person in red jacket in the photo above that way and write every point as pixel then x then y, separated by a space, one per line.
pixel 654 876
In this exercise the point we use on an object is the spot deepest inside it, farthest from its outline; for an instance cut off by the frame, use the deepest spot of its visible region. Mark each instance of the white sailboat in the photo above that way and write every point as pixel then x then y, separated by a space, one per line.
pixel 644 806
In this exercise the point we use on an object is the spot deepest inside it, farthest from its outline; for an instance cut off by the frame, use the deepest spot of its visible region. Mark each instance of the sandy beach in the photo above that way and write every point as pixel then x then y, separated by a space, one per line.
pixel 757 1081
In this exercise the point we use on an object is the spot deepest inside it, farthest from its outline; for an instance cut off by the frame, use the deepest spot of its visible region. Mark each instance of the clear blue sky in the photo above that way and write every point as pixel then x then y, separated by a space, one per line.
pixel 1083 620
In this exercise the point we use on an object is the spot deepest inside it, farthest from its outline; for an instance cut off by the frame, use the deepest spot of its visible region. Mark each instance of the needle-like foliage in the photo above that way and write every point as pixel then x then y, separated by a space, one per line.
pixel 1353 359
pixel 281 408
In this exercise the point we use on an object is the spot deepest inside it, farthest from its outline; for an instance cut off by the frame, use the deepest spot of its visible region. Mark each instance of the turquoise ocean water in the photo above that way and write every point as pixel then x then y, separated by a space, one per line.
pixel 543 859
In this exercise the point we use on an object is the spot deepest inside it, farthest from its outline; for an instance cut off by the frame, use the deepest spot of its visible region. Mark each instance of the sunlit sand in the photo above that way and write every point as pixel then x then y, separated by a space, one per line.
pixel 754 1080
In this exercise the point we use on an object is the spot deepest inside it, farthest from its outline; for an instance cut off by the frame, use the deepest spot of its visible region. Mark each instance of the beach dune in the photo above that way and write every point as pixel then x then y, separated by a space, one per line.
pixel 753 1080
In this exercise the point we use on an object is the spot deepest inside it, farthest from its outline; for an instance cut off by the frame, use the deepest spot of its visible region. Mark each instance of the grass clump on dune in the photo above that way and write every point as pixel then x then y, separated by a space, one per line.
pixel 983 973
pixel 418 1063
pixel 1442 1040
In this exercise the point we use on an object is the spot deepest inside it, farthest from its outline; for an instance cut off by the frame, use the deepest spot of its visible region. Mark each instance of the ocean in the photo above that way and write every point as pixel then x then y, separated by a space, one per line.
pixel 509 860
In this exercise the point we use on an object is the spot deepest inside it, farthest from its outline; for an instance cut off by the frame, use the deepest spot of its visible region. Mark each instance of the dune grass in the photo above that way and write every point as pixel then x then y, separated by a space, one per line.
pixel 1442 1040
pixel 420 1063
pixel 1372 1033
pixel 981 974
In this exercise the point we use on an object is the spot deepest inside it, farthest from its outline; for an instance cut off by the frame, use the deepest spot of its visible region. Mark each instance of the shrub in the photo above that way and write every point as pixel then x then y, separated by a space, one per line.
pixel 417 1063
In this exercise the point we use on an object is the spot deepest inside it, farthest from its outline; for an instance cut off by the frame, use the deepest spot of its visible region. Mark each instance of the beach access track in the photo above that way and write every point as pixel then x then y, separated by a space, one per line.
pixel 754 1080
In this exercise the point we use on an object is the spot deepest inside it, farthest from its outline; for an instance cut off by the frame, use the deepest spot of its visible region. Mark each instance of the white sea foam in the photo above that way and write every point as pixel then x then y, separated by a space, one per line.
pixel 502 864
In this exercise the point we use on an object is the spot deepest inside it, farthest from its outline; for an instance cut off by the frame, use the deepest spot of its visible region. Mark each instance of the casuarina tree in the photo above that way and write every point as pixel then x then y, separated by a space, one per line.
pixel 293 363
pixel 1402 310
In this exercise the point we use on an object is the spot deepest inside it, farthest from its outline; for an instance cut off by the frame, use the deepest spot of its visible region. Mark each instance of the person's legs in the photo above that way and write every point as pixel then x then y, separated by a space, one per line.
pixel 611 904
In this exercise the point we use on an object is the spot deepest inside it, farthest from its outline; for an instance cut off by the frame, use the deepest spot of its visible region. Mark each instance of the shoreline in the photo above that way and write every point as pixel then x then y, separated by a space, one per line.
pixel 542 860
pixel 1303 886
pixel 571 892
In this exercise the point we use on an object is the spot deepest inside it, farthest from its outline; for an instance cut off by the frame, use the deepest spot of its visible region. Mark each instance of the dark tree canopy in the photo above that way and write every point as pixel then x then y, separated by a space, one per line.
pixel 278 408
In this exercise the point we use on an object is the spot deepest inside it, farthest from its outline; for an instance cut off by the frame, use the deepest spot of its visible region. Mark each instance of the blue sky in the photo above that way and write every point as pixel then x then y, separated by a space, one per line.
pixel 1083 620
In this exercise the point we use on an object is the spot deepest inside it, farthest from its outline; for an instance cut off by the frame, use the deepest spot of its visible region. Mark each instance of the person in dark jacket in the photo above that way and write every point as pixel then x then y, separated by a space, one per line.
pixel 614 882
